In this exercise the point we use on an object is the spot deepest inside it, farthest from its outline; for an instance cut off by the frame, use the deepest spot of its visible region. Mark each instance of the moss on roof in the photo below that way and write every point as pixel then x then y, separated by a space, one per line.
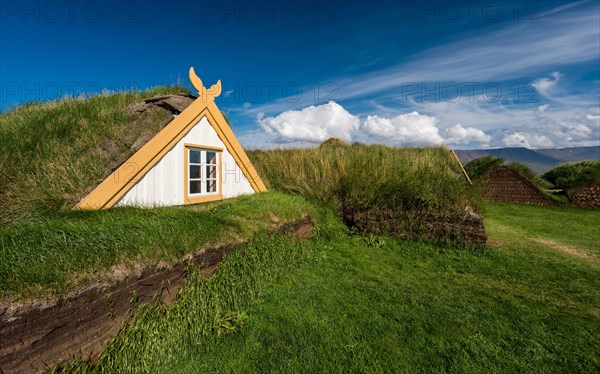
pixel 52 154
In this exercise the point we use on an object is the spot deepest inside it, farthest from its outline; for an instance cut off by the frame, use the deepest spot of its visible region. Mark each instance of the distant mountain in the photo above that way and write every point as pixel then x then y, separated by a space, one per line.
pixel 540 160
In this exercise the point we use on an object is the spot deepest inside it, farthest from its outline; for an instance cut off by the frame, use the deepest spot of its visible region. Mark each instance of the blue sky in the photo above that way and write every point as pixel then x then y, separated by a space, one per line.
pixel 466 74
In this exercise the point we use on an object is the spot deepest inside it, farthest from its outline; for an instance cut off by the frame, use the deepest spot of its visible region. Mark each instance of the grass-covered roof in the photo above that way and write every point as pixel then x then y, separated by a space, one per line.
pixel 52 154
pixel 573 175
pixel 480 167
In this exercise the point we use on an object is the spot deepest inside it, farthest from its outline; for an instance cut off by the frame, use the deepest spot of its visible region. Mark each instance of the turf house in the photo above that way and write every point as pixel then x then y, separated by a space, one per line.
pixel 195 158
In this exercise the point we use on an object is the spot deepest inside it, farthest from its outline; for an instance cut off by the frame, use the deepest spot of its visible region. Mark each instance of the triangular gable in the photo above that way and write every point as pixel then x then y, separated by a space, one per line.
pixel 108 193
pixel 502 183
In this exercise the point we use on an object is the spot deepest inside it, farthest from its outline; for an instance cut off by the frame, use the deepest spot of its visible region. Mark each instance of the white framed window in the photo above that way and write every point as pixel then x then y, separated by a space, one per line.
pixel 202 172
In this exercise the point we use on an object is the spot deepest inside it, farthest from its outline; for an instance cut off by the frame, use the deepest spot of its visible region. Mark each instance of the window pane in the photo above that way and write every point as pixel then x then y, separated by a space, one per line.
pixel 211 186
pixel 211 171
pixel 211 158
pixel 195 186
pixel 194 156
pixel 194 171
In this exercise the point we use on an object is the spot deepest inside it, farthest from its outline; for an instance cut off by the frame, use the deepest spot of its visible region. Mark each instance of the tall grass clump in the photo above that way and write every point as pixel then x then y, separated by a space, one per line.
pixel 405 192
pixel 478 167
pixel 159 333
pixel 52 153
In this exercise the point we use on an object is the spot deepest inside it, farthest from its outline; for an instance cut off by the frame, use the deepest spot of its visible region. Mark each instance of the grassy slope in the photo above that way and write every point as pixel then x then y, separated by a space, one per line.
pixel 417 307
pixel 519 225
pixel 51 154
pixel 56 254
pixel 340 301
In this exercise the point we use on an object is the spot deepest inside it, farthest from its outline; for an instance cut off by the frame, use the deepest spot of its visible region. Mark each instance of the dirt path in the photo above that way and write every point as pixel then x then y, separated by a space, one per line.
pixel 567 249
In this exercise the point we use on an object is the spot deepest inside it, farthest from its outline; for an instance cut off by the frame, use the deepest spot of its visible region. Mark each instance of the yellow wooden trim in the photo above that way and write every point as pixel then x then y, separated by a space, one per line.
pixel 108 193
pixel 186 170
pixel 219 168
pixel 203 199
pixel 461 166
pixel 206 95
pixel 215 117
pixel 210 148
pixel 187 199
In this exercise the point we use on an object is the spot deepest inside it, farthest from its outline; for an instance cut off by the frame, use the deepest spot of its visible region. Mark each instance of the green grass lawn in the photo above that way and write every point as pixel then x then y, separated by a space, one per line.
pixel 366 304
pixel 519 225
pixel 62 251
pixel 339 302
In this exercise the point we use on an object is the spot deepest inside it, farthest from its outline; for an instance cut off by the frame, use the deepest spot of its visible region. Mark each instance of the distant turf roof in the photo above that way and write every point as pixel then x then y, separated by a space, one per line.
pixel 574 175
pixel 479 167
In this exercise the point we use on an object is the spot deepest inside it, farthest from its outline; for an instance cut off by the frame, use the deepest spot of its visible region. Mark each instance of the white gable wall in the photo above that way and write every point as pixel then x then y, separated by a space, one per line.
pixel 164 185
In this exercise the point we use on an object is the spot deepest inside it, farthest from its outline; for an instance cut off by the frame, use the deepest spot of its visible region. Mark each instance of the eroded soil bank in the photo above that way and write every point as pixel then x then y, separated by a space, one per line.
pixel 36 336
pixel 465 229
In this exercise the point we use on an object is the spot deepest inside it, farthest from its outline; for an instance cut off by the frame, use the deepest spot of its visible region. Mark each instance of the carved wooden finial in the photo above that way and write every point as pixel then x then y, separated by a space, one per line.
pixel 211 93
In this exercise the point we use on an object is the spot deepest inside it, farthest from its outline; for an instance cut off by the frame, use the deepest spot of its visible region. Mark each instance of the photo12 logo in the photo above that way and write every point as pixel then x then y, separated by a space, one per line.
pixel 453 92
pixel 468 12
pixel 291 92
pixel 16 93
pixel 316 11
pixel 70 12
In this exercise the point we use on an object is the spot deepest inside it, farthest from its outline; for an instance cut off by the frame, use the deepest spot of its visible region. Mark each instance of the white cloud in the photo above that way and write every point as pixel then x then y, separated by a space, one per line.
pixel 565 126
pixel 518 139
pixel 577 131
pixel 313 124
pixel 545 86
pixel 472 125
pixel 542 108
pixel 410 128
pixel 540 141
pixel 461 135
pixel 515 140
pixel 592 117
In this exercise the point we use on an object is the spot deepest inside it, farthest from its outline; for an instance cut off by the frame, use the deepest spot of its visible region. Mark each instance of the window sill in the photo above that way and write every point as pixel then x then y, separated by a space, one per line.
pixel 202 198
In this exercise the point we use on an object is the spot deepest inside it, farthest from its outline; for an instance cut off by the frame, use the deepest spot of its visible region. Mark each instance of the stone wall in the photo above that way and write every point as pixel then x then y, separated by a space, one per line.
pixel 506 185
pixel 587 197
pixel 463 228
